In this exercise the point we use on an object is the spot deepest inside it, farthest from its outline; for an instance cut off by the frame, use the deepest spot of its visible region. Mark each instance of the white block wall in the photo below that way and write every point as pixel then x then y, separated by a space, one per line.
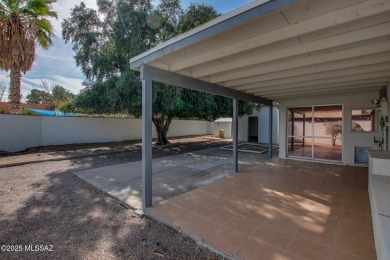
pixel 18 132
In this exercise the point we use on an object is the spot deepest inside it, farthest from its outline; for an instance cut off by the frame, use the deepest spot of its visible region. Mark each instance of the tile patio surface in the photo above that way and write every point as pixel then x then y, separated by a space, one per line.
pixel 279 209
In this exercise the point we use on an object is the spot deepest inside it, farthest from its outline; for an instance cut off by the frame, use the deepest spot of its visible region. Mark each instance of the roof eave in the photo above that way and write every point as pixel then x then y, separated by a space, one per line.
pixel 218 25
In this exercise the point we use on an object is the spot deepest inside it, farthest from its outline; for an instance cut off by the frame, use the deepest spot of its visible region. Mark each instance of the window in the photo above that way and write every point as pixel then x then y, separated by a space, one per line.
pixel 363 120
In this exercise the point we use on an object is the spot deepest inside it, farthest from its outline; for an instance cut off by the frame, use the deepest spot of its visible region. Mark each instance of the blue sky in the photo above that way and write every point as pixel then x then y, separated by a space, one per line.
pixel 222 6
pixel 57 64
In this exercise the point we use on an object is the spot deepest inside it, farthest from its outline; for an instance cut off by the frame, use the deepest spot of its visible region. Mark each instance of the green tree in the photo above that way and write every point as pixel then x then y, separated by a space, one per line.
pixel 55 96
pixel 38 96
pixel 195 15
pixel 105 39
pixel 23 25
pixel 60 96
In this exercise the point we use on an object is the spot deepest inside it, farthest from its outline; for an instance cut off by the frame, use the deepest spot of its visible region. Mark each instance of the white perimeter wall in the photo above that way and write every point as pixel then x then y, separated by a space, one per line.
pixel 349 102
pixel 227 126
pixel 18 132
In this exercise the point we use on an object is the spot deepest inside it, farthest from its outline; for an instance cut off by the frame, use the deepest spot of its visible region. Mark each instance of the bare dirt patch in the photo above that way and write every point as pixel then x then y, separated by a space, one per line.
pixel 119 149
pixel 45 204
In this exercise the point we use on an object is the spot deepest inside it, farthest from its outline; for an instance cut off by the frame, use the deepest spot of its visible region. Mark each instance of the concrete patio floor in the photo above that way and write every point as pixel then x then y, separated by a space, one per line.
pixel 172 175
pixel 278 209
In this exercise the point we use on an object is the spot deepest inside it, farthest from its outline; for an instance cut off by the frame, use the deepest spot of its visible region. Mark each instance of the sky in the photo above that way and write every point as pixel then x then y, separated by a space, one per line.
pixel 57 65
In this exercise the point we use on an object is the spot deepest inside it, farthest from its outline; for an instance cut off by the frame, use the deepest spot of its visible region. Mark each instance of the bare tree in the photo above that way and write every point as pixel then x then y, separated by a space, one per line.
pixel 334 129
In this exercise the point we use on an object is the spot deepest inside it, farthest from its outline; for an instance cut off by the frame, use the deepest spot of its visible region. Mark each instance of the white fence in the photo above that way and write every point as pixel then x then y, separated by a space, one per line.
pixel 18 132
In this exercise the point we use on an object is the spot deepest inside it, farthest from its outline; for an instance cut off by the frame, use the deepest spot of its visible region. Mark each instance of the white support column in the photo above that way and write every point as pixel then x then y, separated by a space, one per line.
pixel 270 132
pixel 146 139
pixel 235 135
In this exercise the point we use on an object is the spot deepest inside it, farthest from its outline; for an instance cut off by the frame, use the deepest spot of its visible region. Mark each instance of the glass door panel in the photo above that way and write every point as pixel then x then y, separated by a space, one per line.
pixel 324 150
pixel 299 132
pixel 327 132
pixel 328 121
pixel 300 147
pixel 315 132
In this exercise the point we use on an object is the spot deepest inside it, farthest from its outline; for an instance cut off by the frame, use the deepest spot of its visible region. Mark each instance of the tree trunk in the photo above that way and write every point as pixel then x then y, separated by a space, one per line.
pixel 15 95
pixel 162 126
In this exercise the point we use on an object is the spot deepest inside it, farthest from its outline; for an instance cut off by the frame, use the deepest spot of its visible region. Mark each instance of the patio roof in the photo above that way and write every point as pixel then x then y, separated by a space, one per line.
pixel 284 49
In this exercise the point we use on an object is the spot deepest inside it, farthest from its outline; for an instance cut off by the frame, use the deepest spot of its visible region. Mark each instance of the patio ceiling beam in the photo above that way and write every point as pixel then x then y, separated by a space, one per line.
pixel 182 81
pixel 355 36
pixel 368 49
pixel 327 93
pixel 305 84
pixel 353 63
pixel 366 86
pixel 337 85
pixel 211 29
pixel 345 15
pixel 317 76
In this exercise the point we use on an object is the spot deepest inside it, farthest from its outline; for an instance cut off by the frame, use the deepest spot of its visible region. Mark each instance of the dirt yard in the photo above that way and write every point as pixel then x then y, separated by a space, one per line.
pixel 122 151
pixel 44 204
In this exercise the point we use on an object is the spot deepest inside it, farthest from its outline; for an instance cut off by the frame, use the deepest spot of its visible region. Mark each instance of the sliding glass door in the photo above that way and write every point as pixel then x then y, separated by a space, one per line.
pixel 315 132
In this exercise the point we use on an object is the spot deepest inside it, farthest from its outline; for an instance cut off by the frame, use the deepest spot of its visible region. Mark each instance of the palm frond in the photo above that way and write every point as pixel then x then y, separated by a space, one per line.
pixel 44 39
pixel 22 26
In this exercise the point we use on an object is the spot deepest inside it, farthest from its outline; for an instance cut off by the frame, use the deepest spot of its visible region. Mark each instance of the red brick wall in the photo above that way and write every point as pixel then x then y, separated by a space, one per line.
pixel 5 107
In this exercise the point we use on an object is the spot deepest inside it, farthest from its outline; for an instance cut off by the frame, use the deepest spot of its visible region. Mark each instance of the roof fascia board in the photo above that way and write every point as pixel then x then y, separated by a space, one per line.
pixel 220 24
pixel 181 81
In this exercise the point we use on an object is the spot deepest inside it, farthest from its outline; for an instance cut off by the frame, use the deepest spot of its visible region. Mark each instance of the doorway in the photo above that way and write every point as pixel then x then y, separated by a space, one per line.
pixel 253 129
pixel 315 132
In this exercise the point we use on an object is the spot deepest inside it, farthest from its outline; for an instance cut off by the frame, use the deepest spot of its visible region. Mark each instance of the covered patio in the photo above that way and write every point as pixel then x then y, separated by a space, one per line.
pixel 293 54
pixel 278 209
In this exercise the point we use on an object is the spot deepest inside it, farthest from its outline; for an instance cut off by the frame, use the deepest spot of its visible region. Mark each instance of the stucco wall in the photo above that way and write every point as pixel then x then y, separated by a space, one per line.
pixel 227 126
pixel 21 132
pixel 264 125
pixel 243 123
pixel 349 102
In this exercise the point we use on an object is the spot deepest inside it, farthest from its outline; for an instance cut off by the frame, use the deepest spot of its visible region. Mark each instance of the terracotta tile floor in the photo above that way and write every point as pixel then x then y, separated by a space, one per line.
pixel 279 209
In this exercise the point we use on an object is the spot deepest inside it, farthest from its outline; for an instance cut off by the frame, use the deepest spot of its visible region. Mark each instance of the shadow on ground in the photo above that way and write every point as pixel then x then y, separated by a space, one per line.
pixel 44 205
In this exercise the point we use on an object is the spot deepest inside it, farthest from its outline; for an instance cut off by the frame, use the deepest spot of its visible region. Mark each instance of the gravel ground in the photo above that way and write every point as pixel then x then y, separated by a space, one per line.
pixel 45 204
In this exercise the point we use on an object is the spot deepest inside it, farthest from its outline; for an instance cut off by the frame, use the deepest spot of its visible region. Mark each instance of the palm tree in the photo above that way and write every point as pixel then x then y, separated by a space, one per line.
pixel 23 25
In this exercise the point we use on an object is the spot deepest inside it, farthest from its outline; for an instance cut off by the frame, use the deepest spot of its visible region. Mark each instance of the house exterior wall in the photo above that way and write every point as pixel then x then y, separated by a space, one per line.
pixel 264 125
pixel 243 126
pixel 349 102
pixel 20 132
pixel 243 123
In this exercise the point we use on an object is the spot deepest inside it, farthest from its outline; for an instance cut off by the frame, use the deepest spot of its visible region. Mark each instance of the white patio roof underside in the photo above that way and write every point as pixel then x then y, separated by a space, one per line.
pixel 306 48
